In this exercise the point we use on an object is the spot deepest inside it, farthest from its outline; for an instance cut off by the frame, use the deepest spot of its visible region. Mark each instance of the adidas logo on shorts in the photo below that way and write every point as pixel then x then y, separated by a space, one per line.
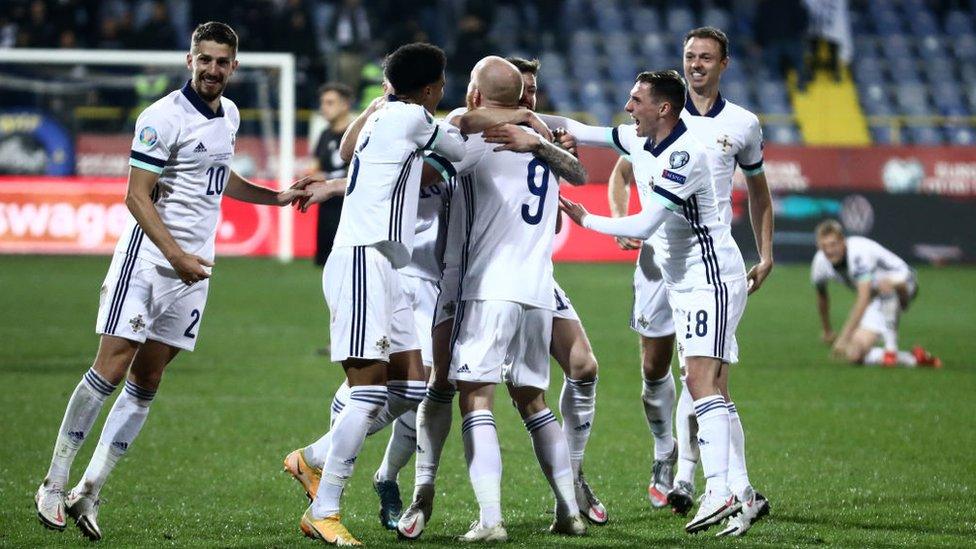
pixel 464 369
pixel 200 148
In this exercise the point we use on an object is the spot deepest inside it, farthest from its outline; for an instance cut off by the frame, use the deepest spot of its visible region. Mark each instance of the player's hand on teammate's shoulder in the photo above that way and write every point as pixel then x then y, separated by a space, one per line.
pixel 758 273
pixel 574 210
pixel 191 268
pixel 512 138
pixel 628 243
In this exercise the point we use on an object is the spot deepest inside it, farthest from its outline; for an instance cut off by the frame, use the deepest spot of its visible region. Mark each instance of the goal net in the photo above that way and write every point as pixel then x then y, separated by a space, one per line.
pixel 66 124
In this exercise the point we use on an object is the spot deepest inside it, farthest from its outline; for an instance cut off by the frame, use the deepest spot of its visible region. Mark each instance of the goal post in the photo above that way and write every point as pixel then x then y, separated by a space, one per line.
pixel 284 63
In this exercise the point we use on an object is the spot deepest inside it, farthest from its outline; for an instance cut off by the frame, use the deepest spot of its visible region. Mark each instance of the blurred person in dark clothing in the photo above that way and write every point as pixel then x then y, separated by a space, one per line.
pixel 781 27
pixel 351 33
pixel 157 33
pixel 335 102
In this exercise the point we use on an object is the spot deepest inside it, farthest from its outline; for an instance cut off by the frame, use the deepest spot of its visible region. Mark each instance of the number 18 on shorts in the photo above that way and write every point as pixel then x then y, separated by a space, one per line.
pixel 706 317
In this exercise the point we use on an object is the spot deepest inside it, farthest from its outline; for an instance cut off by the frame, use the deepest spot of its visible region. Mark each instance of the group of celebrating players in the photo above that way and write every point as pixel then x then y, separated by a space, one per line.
pixel 441 283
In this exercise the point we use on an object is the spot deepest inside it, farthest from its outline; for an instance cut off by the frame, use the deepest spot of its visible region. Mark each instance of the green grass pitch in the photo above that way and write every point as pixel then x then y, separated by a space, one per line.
pixel 847 456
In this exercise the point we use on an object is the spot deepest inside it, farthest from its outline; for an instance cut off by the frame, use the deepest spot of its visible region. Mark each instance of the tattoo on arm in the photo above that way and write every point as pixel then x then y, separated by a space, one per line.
pixel 562 163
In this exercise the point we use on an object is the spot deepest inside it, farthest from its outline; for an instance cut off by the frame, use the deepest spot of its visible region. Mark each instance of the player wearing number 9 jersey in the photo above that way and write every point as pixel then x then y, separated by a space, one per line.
pixel 153 298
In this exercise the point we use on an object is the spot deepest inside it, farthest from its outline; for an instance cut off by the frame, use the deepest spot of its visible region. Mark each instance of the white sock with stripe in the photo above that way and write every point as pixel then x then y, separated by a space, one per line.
pixel 122 425
pixel 403 440
pixel 553 454
pixel 484 459
pixel 348 435
pixel 315 452
pixel 83 407
pixel 577 404
pixel 433 426
pixel 713 442
pixel 658 398
pixel 738 475
pixel 686 426
pixel 404 395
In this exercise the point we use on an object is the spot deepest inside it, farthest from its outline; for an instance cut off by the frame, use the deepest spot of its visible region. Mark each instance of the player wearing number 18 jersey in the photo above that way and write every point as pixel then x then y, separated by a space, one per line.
pixel 153 297
pixel 700 262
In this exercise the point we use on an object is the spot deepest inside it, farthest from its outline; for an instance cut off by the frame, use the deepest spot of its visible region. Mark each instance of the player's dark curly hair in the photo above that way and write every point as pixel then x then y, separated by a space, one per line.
pixel 524 65
pixel 710 32
pixel 413 66
pixel 214 31
pixel 666 86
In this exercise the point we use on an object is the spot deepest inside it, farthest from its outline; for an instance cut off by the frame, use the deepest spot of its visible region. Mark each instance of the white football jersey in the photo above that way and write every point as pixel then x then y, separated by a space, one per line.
pixel 694 246
pixel 732 136
pixel 191 147
pixel 425 262
pixel 502 225
pixel 383 189
pixel 865 260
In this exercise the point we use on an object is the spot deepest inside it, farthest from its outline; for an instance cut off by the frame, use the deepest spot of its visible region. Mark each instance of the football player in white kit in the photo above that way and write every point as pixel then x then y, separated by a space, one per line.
pixel 732 137
pixel 502 221
pixel 701 265
pixel 885 287
pixel 153 298
pixel 372 330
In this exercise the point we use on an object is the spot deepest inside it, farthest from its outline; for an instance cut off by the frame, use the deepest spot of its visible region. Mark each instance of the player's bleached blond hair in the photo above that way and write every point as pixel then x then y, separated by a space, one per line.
pixel 828 227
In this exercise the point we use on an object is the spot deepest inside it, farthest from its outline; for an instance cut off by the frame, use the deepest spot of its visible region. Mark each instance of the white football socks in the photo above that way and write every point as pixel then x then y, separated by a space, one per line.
pixel 122 425
pixel 577 404
pixel 713 442
pixel 403 440
pixel 553 454
pixel 83 407
pixel 484 459
pixel 348 435
pixel 686 426
pixel 433 426
pixel 404 396
pixel 738 475
pixel 658 398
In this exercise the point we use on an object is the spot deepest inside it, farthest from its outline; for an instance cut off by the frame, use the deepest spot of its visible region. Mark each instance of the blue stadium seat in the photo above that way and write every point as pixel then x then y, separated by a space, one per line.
pixel 719 18
pixel 931 47
pixel 880 134
pixel 781 133
pixel 958 22
pixel 961 135
pixel 875 100
pixel 895 46
pixel 645 19
pixel 964 45
pixel 680 20
pixel 737 92
pixel 887 21
pixel 923 23
pixel 653 47
pixel 925 135
pixel 865 45
pixel 904 69
pixel 912 99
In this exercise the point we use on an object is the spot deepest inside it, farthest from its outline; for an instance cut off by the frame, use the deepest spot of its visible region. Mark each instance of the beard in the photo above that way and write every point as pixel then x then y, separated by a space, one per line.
pixel 204 93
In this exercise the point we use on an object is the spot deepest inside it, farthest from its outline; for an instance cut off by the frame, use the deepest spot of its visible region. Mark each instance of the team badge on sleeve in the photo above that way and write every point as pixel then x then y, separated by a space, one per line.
pixel 678 159
pixel 148 136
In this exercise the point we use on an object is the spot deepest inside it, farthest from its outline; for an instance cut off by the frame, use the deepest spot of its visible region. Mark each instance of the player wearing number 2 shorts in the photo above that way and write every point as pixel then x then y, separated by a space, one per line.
pixel 153 298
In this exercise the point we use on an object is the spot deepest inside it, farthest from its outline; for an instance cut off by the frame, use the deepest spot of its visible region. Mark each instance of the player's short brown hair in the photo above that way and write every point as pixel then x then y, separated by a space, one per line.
pixel 710 32
pixel 828 227
pixel 524 65
pixel 666 86
pixel 214 31
pixel 344 91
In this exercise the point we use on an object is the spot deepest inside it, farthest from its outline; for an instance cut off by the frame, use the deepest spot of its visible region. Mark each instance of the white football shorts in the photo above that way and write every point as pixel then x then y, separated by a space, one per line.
pixel 422 296
pixel 652 316
pixel 707 317
pixel 564 307
pixel 370 315
pixel 447 298
pixel 490 336
pixel 140 300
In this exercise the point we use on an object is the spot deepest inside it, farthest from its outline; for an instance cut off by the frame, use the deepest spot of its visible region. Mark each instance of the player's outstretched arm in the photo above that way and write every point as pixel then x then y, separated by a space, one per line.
pixel 561 162
pixel 322 191
pixel 241 189
pixel 761 216
pixel 482 118
pixel 347 145
pixel 138 199
pixel 827 334
pixel 618 195
pixel 594 136
pixel 641 225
